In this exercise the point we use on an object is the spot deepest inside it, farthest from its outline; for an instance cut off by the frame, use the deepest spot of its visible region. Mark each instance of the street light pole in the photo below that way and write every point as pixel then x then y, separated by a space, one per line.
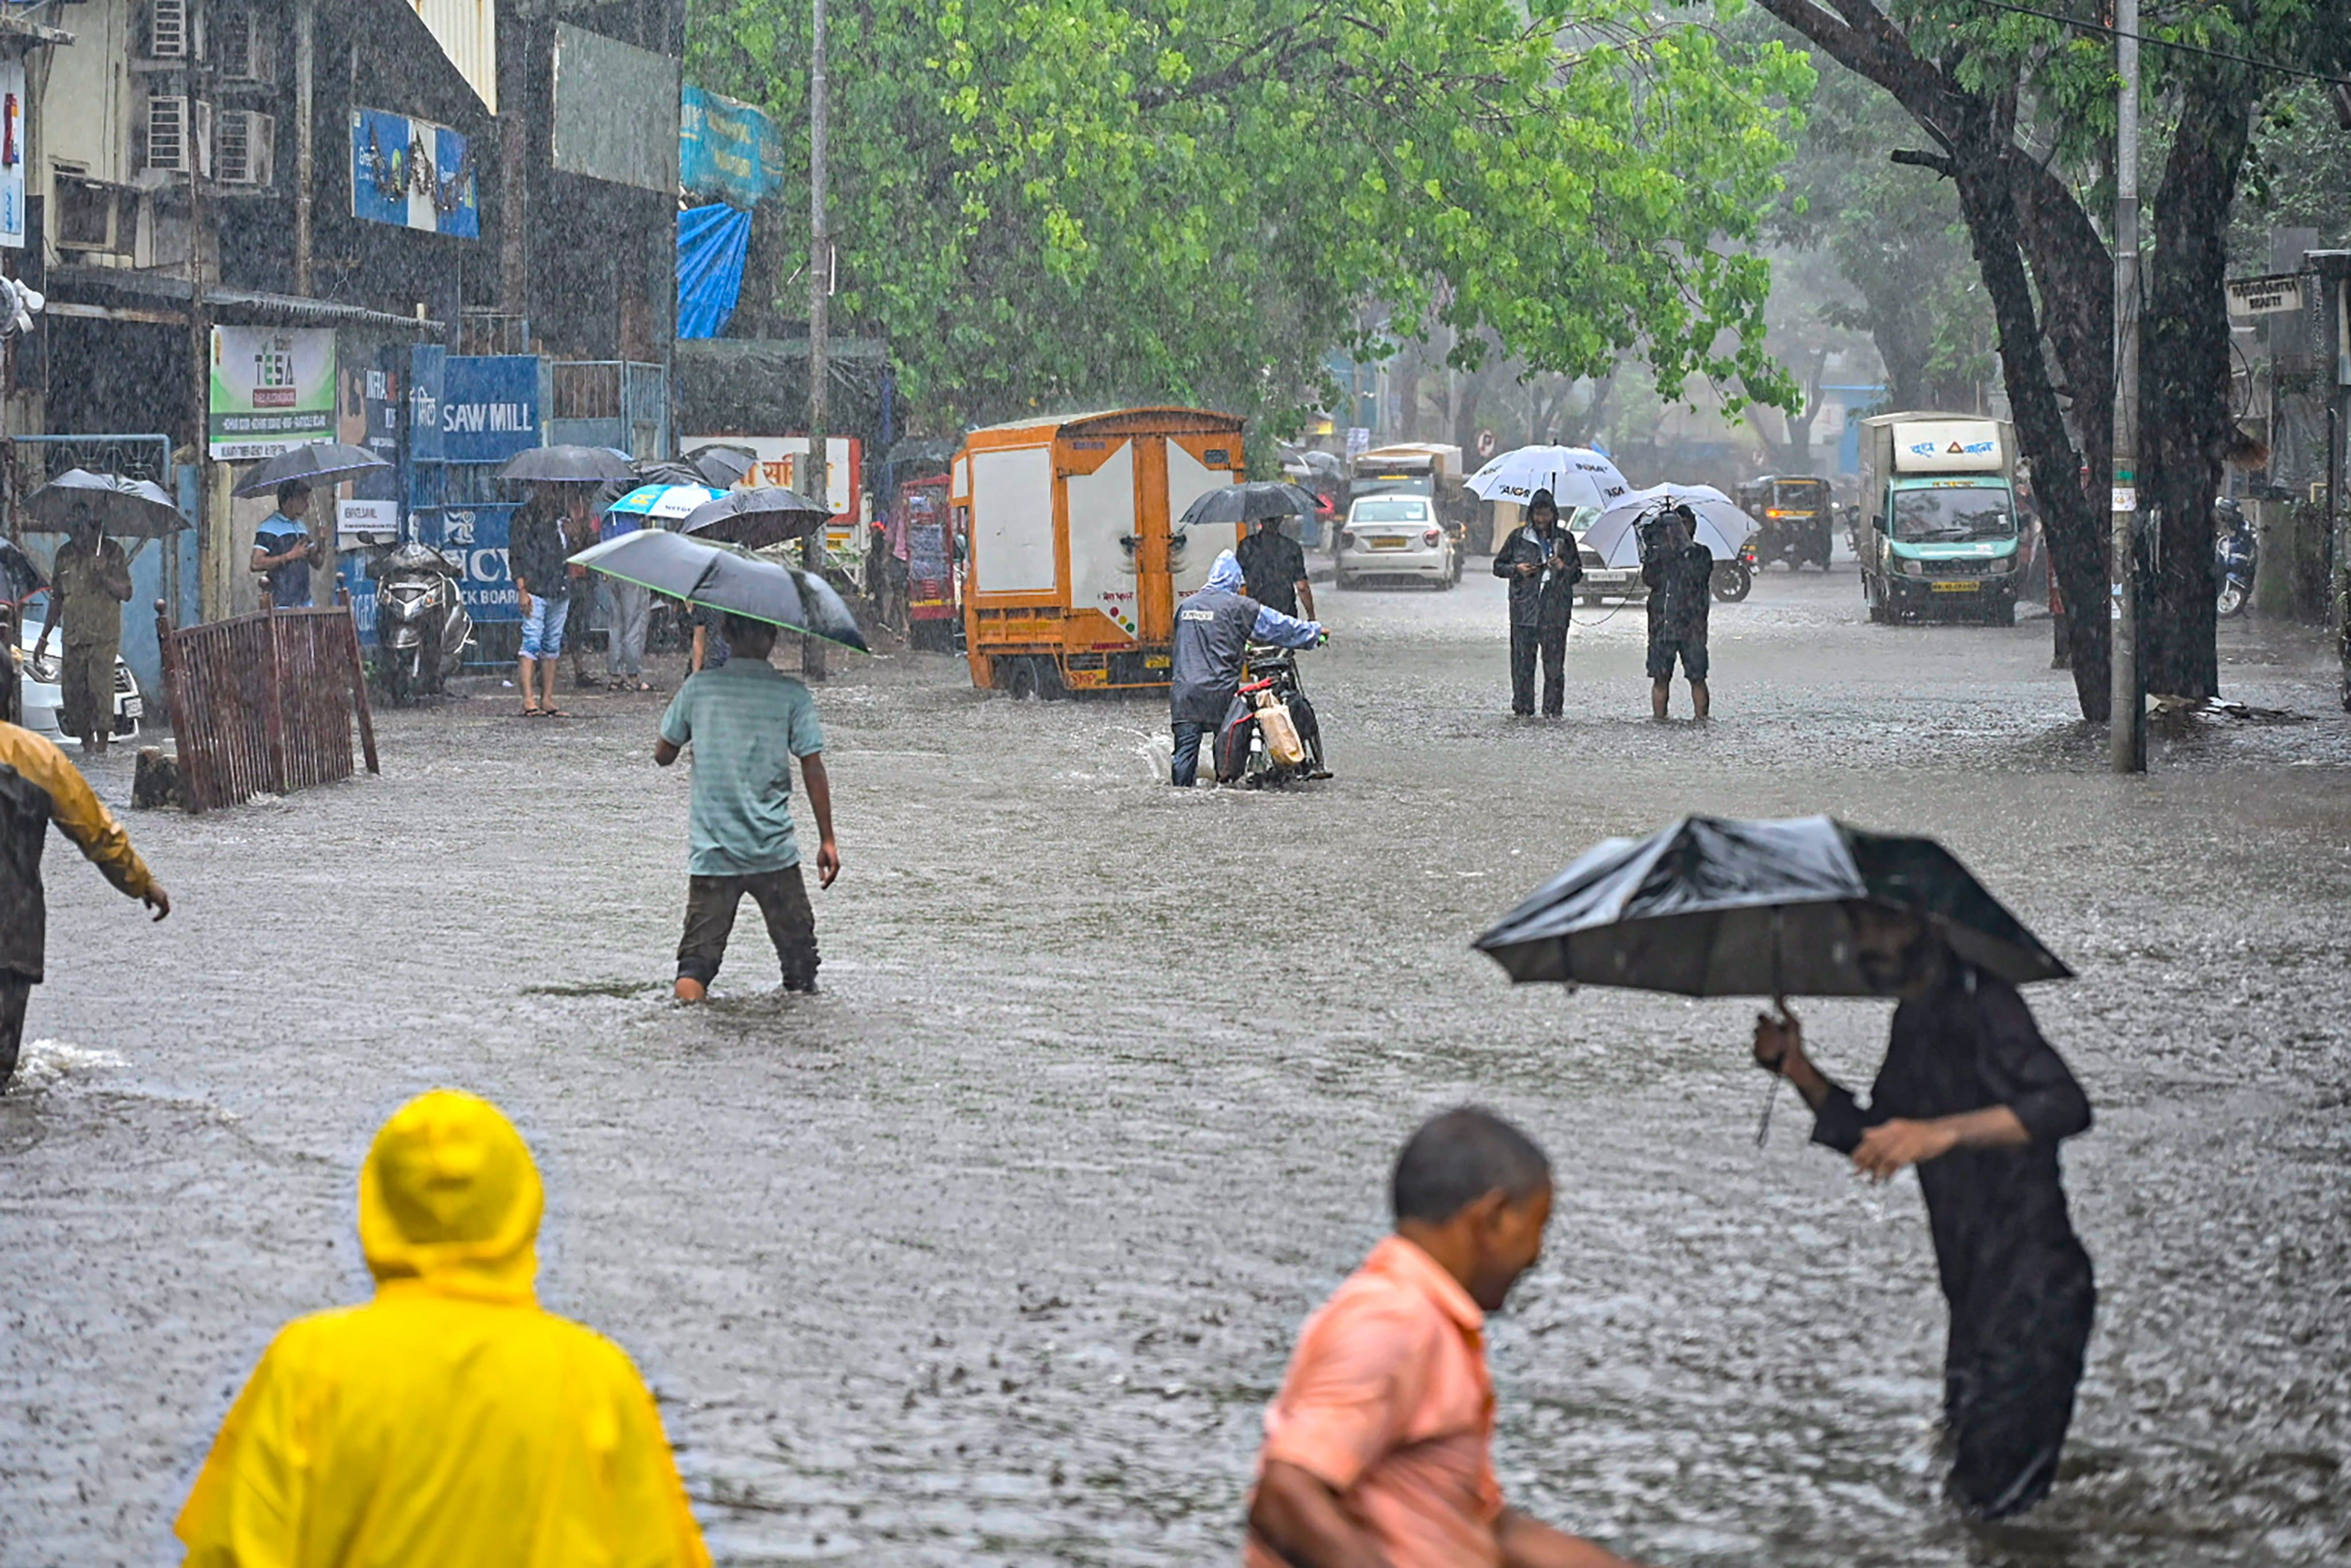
pixel 820 482
pixel 2127 722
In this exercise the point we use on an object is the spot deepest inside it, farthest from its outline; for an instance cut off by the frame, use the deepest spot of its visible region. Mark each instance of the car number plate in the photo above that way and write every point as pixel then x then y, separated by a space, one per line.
pixel 1956 587
pixel 133 707
pixel 1387 544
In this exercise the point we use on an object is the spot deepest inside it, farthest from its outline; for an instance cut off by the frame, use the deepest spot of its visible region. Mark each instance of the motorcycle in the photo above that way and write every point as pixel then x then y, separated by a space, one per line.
pixel 1271 735
pixel 1734 579
pixel 2236 556
pixel 422 626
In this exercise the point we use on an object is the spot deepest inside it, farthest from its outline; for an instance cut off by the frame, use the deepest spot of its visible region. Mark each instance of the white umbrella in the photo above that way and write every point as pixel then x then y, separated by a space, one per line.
pixel 1575 476
pixel 1722 527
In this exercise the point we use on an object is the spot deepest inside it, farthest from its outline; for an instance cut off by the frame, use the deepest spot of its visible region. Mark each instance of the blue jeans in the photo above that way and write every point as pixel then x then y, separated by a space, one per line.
pixel 1185 770
pixel 542 629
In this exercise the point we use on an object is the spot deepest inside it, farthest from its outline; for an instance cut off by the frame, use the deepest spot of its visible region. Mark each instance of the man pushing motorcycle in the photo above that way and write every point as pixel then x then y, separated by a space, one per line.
pixel 1213 631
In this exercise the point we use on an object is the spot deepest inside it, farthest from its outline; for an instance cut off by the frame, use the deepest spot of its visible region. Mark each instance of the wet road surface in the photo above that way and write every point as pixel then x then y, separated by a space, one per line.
pixel 993 1252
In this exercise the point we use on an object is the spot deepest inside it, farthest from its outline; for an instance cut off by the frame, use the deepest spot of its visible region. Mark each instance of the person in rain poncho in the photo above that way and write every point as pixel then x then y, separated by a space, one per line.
pixel 449 1423
pixel 1973 1096
pixel 1542 563
pixel 1213 631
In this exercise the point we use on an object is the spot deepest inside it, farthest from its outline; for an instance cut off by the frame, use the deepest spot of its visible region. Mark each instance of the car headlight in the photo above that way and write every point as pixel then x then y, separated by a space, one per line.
pixel 1912 568
pixel 1999 563
pixel 44 669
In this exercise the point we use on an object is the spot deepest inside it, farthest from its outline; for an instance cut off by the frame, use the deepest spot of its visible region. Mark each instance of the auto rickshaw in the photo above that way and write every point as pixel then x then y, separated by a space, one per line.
pixel 1794 517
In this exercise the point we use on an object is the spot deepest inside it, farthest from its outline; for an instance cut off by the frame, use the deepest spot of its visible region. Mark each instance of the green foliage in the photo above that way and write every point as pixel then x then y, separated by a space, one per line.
pixel 1043 203
pixel 2298 175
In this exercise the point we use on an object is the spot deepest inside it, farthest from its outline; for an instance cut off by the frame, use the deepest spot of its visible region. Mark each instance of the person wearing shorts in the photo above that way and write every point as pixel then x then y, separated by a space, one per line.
pixel 542 582
pixel 1681 575
pixel 747 721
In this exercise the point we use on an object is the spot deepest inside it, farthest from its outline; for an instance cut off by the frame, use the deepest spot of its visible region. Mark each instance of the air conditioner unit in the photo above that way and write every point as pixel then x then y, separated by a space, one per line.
pixel 241 45
pixel 243 147
pixel 167 29
pixel 171 142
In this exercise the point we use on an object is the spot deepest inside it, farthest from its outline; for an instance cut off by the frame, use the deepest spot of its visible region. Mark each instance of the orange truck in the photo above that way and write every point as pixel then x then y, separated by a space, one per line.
pixel 1076 560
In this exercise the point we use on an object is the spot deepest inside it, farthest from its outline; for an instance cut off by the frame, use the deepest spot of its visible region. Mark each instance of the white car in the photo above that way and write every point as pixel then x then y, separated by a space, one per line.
pixel 1602 582
pixel 1396 537
pixel 36 686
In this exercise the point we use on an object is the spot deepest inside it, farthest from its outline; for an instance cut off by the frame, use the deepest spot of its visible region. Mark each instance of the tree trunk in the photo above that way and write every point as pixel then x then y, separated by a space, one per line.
pixel 2076 528
pixel 2184 382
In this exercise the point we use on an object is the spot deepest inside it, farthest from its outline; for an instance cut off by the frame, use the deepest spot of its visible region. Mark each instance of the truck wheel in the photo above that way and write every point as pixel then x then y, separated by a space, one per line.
pixel 1019 678
pixel 2004 612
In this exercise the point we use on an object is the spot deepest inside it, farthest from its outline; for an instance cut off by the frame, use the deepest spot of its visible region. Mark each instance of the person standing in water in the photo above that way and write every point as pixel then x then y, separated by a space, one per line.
pixel 1543 565
pixel 1972 1095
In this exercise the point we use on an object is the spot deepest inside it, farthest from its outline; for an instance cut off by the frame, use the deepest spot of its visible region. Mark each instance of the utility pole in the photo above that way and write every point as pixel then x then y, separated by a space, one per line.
pixel 820 482
pixel 306 45
pixel 212 594
pixel 2127 723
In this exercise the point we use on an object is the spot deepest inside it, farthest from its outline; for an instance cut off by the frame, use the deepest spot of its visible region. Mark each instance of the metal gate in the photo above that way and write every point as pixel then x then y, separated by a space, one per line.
pixel 265 701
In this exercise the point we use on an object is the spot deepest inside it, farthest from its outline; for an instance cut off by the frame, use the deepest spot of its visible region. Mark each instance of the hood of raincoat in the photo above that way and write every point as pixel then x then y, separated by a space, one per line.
pixel 1226 575
pixel 449 1196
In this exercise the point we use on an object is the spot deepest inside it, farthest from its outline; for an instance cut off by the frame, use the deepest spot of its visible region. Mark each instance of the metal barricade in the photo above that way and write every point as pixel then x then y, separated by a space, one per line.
pixel 265 703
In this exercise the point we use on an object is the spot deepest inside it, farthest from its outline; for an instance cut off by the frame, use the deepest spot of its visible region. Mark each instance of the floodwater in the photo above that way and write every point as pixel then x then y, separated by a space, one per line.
pixel 992 1252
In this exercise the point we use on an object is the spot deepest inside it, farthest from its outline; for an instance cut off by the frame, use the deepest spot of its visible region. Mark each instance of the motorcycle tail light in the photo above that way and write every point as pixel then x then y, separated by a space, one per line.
pixel 1432 538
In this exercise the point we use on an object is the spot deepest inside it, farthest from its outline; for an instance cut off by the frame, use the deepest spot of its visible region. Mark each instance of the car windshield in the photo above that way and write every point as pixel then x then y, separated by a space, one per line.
pixel 1397 511
pixel 1798 495
pixel 1953 514
pixel 1580 521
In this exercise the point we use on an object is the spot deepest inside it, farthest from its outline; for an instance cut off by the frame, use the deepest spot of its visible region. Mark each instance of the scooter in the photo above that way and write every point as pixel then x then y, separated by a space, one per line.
pixel 1271 735
pixel 422 626
pixel 1734 579
pixel 2236 556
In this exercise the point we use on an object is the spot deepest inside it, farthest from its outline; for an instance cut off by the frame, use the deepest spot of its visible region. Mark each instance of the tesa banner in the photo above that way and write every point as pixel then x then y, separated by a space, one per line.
pixel 273 388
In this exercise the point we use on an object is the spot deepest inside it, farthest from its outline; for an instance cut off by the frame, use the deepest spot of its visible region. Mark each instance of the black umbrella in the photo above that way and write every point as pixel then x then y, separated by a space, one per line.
pixel 722 467
pixel 727 579
pixel 127 508
pixel 1713 907
pixel 21 576
pixel 320 463
pixel 569 466
pixel 1249 503
pixel 754 518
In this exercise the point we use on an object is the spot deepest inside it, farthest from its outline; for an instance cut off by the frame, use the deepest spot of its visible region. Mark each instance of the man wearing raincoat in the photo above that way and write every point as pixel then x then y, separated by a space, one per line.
pixel 449 1423
pixel 1213 631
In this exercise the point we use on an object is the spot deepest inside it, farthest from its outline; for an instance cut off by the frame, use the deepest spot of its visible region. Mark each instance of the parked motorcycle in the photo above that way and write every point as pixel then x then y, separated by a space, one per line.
pixel 422 626
pixel 2236 556
pixel 1734 579
pixel 1271 735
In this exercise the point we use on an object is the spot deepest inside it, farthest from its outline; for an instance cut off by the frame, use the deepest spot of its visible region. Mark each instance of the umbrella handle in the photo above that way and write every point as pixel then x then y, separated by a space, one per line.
pixel 1763 1126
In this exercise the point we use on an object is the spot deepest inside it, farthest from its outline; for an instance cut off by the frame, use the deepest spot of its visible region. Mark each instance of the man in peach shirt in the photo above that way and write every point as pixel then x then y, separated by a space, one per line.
pixel 1378 1450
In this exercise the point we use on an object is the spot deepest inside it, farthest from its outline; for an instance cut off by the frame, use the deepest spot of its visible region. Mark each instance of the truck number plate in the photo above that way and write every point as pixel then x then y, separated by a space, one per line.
pixel 1155 660
pixel 1956 587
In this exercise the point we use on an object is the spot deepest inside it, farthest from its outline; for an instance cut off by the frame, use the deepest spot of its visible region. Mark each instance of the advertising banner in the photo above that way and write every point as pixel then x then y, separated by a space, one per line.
pixel 273 388
pixel 726 148
pixel 413 174
pixel 12 153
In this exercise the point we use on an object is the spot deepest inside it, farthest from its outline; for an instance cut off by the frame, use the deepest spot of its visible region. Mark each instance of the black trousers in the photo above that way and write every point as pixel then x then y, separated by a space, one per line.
pixel 1550 641
pixel 782 897
pixel 16 989
pixel 2018 1337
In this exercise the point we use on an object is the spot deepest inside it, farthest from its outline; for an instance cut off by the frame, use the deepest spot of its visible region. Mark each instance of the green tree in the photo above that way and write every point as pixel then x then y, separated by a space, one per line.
pixel 1042 203
pixel 2019 112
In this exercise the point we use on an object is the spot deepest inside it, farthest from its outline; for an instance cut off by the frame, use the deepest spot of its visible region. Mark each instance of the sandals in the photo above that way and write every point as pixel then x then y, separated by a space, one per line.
pixel 552 712
pixel 534 713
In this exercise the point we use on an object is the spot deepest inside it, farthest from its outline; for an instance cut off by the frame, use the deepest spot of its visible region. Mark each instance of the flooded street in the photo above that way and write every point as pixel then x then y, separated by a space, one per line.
pixel 992 1252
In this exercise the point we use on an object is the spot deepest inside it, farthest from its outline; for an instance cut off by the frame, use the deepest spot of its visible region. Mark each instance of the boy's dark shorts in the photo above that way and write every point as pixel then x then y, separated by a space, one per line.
pixel 1661 657
pixel 782 897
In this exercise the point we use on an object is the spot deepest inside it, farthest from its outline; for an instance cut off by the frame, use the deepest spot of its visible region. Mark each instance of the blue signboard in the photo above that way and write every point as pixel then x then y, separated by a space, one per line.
pixel 474 538
pixel 467 413
pixel 414 174
pixel 726 148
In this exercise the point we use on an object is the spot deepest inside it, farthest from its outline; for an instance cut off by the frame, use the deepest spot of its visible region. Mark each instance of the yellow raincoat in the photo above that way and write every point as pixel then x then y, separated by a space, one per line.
pixel 449 1423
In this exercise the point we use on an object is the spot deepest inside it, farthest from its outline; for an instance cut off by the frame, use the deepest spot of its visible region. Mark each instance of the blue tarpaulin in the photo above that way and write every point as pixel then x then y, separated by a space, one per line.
pixel 711 243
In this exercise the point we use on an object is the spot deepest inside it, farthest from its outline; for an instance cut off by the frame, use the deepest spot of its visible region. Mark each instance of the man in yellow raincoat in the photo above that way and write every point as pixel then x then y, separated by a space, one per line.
pixel 449 1423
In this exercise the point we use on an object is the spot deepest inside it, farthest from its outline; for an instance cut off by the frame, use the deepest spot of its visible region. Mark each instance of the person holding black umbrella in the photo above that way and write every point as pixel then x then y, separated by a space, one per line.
pixel 89 584
pixel 1273 570
pixel 283 551
pixel 1542 566
pixel 1973 1096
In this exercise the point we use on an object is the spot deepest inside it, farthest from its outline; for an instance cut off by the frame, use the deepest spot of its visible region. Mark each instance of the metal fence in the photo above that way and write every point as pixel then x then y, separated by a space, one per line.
pixel 608 403
pixel 265 701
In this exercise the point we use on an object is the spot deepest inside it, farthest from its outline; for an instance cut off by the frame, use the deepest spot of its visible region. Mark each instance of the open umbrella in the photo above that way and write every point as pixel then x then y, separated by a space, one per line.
pixel 125 508
pixel 722 465
pixel 569 466
pixel 320 463
pixel 727 579
pixel 664 504
pixel 1715 907
pixel 1616 534
pixel 756 518
pixel 1575 476
pixel 1248 503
